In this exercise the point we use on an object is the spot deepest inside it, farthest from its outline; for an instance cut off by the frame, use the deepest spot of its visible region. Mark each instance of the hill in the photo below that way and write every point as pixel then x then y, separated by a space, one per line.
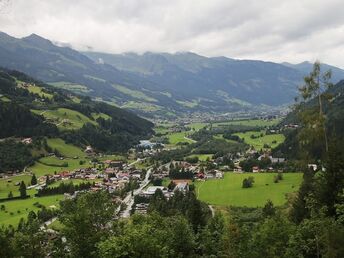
pixel 30 108
pixel 334 123
pixel 162 84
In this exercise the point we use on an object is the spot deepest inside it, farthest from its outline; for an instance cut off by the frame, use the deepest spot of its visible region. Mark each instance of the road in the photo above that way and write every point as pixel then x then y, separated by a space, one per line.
pixel 187 138
pixel 129 199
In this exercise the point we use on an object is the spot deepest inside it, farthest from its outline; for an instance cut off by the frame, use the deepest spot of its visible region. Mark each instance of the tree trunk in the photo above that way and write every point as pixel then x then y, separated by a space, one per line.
pixel 322 117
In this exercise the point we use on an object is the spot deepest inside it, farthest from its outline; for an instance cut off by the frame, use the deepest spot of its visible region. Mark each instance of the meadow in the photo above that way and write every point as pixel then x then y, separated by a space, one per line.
pixel 229 191
pixel 273 140
pixel 175 138
pixel 15 210
pixel 49 165
pixel 65 119
pixel 250 122
pixel 201 157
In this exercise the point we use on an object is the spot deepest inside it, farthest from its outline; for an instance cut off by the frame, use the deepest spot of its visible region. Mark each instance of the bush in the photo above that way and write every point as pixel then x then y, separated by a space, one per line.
pixel 248 182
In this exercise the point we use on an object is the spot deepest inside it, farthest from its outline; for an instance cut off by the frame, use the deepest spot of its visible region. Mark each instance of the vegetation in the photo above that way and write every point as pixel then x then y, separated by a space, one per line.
pixel 229 191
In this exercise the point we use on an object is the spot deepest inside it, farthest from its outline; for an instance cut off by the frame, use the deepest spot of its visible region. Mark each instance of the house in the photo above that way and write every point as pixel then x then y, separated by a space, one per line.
pixel 255 169
pixel 237 169
pixel 89 150
pixel 152 189
pixel 219 174
pixel 182 187
pixel 314 167
pixel 27 141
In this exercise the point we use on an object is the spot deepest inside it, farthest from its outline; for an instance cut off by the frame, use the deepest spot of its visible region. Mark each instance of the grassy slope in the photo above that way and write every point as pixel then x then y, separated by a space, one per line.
pixel 229 191
pixel 251 122
pixel 25 206
pixel 76 119
pixel 68 151
pixel 175 138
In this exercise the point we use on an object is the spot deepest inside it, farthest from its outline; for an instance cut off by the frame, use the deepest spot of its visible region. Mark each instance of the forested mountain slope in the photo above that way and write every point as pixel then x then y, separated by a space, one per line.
pixel 334 113
pixel 30 108
pixel 155 83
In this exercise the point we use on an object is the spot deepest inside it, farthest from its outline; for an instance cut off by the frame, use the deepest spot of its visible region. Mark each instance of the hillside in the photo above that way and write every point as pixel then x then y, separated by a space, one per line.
pixel 161 84
pixel 29 108
pixel 334 122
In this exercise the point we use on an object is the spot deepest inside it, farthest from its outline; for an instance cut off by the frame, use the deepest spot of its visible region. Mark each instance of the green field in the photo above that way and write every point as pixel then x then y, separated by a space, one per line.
pixel 175 138
pixel 229 191
pixel 202 157
pixel 49 165
pixel 38 90
pixel 258 143
pixel 11 216
pixel 65 119
pixel 67 150
pixel 197 126
pixel 133 93
pixel 250 122
pixel 7 185
pixel 77 88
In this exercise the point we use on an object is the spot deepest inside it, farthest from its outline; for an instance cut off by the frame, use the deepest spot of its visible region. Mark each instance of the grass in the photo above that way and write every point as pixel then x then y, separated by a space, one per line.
pixel 147 107
pixel 67 150
pixel 229 191
pixel 202 157
pixel 175 138
pixel 189 104
pixel 250 122
pixel 41 169
pixel 76 88
pixel 258 143
pixel 38 90
pixel 100 115
pixel 24 207
pixel 4 99
pixel 65 119
pixel 197 126
pixel 6 187
pixel 133 93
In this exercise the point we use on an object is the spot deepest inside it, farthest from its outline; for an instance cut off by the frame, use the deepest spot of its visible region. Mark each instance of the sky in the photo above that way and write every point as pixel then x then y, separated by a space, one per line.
pixel 271 30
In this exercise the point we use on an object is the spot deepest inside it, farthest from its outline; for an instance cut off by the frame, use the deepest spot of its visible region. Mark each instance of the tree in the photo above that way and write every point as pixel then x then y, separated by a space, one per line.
pixel 33 180
pixel 86 220
pixel 22 189
pixel 269 209
pixel 248 182
pixel 10 194
pixel 315 85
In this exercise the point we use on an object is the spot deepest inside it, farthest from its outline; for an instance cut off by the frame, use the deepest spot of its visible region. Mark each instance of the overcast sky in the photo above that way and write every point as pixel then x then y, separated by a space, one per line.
pixel 276 30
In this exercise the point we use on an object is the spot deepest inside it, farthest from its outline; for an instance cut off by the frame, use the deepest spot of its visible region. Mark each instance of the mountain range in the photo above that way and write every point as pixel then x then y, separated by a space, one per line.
pixel 158 83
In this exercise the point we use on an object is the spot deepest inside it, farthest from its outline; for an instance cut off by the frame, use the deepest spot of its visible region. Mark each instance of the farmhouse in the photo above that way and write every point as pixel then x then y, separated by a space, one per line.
pixel 255 169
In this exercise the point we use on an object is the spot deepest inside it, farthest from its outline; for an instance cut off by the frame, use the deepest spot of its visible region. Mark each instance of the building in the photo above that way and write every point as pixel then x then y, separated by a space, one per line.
pixel 152 189
pixel 182 187
pixel 255 169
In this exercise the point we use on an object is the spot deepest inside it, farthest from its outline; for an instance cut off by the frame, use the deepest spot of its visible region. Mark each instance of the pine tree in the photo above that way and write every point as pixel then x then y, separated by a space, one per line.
pixel 22 189
pixel 34 180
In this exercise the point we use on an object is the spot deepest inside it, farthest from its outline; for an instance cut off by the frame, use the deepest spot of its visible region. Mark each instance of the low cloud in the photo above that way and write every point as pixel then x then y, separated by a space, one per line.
pixel 273 30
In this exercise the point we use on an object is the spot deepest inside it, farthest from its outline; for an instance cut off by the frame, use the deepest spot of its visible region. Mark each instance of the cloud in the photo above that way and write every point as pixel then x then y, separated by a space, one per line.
pixel 273 30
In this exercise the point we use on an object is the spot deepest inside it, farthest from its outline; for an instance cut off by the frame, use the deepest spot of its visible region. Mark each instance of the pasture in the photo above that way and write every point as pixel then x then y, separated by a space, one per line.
pixel 258 142
pixel 17 209
pixel 250 122
pixel 65 119
pixel 229 191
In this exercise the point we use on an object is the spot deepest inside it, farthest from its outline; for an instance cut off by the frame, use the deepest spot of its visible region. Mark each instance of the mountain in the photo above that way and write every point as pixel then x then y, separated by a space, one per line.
pixel 30 108
pixel 306 67
pixel 158 84
pixel 210 82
